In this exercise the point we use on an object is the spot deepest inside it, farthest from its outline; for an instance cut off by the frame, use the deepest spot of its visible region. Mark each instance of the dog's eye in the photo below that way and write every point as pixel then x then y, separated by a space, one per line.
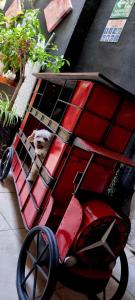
pixel 45 139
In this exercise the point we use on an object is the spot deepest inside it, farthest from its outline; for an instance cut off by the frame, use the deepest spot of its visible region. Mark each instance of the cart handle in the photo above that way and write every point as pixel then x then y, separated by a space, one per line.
pixel 95 149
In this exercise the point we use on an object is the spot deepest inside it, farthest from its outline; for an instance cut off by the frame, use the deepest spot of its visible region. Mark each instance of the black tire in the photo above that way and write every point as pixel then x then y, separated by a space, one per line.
pixel 93 288
pixel 6 162
pixel 44 263
pixel 122 283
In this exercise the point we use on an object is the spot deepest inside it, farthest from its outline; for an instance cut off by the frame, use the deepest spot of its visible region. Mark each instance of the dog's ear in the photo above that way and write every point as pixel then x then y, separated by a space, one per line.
pixel 30 138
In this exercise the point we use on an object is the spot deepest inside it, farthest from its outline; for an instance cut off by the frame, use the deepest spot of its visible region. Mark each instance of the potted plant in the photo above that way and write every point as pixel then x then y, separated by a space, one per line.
pixel 21 39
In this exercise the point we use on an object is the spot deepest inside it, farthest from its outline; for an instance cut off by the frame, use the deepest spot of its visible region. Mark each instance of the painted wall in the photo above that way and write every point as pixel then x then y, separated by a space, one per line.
pixel 115 60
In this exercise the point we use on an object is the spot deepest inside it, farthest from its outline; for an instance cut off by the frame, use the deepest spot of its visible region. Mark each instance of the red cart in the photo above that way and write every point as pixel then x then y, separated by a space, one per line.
pixel 76 230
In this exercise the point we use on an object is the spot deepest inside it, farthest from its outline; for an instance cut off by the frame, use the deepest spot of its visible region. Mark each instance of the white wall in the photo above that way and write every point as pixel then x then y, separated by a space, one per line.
pixel 26 89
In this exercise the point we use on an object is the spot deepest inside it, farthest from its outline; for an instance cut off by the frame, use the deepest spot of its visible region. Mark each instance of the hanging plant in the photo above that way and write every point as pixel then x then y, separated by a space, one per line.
pixel 7 118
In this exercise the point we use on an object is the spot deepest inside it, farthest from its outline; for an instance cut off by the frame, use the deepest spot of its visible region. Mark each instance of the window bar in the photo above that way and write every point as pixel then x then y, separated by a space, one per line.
pixel 68 103
pixel 42 95
pixel 57 100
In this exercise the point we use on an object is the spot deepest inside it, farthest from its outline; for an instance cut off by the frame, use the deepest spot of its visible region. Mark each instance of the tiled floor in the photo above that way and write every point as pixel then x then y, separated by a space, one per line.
pixel 12 233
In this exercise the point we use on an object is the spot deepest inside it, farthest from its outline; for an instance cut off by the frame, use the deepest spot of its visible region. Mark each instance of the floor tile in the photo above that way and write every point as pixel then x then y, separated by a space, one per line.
pixel 20 235
pixel 3 224
pixel 65 293
pixel 131 281
pixel 128 296
pixel 129 253
pixel 9 208
pixel 9 250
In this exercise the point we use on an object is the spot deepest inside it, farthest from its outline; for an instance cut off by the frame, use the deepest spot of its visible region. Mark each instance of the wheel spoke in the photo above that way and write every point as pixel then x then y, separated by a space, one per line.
pixel 34 285
pixel 31 257
pixel 114 278
pixel 104 294
pixel 38 236
pixel 36 261
pixel 43 252
pixel 27 276
pixel 45 275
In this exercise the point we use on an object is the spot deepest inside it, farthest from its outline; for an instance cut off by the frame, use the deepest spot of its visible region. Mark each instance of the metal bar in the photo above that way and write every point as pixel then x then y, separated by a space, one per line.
pixel 70 104
pixel 85 171
pixel 89 147
pixel 62 87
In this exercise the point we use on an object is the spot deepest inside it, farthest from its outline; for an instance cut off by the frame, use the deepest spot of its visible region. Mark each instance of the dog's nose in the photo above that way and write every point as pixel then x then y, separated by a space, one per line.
pixel 38 142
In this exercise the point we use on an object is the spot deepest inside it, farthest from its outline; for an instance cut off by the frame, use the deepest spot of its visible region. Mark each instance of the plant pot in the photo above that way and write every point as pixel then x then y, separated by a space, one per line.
pixel 7 81
pixel 7 135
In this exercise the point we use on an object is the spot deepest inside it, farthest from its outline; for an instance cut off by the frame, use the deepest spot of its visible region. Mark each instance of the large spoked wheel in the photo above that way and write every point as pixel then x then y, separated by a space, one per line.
pixel 5 164
pixel 116 286
pixel 37 265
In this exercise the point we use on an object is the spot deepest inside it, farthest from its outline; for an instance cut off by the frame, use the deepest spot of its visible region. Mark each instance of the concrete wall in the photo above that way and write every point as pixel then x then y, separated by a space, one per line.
pixel 115 60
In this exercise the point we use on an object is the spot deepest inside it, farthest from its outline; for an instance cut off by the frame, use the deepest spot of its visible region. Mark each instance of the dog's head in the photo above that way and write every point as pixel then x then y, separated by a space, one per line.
pixel 41 139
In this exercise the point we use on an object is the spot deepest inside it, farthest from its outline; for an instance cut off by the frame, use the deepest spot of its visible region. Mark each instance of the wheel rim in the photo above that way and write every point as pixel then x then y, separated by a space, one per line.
pixel 119 284
pixel 36 271
pixel 6 163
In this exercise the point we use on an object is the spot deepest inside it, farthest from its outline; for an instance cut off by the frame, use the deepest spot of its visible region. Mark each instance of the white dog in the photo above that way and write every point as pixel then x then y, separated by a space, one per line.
pixel 41 139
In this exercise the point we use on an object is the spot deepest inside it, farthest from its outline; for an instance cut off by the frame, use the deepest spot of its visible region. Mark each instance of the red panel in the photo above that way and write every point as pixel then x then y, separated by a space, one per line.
pixel 91 127
pixel 126 116
pixel 24 120
pixel 24 194
pixel 97 178
pixel 39 190
pixel 118 138
pixel 65 187
pixel 70 118
pixel 14 161
pixel 79 98
pixel 106 162
pixel 15 141
pixel 81 94
pixel 55 154
pixel 35 92
pixel 30 212
pixel 65 234
pixel 20 181
pixel 103 101
pixel 17 170
pixel 47 211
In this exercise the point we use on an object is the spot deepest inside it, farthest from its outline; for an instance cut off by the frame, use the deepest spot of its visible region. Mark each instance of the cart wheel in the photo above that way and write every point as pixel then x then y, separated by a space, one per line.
pixel 37 266
pixel 119 285
pixel 5 164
